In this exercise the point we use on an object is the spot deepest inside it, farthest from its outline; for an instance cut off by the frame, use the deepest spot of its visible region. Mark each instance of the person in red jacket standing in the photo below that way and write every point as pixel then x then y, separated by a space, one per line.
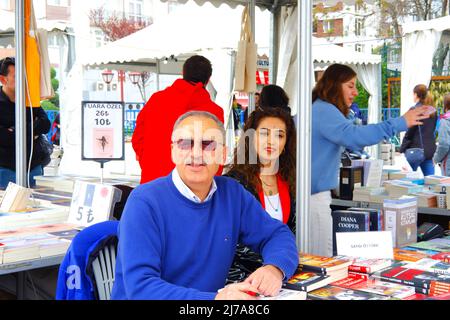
pixel 151 139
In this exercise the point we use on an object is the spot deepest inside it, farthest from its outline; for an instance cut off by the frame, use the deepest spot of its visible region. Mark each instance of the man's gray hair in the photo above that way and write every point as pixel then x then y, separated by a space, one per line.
pixel 203 114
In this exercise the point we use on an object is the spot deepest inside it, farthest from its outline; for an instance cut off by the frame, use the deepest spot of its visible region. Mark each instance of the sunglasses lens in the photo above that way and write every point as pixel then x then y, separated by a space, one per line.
pixel 209 145
pixel 185 144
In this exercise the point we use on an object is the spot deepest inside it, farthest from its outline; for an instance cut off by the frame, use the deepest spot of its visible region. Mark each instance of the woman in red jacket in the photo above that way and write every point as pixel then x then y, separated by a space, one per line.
pixel 264 163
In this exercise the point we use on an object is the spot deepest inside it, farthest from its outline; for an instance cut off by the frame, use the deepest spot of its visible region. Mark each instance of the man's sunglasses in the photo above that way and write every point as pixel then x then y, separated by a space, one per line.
pixel 6 62
pixel 188 144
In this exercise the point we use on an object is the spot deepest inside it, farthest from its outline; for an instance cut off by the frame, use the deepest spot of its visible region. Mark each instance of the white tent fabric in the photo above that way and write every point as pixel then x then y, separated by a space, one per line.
pixel 195 32
pixel 324 53
pixel 419 43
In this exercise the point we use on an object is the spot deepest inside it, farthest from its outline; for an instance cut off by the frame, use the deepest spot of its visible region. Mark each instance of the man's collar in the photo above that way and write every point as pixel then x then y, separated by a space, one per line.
pixel 186 192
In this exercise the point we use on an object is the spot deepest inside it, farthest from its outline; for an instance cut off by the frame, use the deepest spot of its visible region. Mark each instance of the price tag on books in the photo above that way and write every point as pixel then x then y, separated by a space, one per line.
pixel 92 203
pixel 369 244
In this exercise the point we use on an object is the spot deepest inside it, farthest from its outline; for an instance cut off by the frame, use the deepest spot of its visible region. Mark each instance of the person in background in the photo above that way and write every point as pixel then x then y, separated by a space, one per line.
pixel 239 115
pixel 151 137
pixel 178 234
pixel 443 148
pixel 41 125
pixel 273 96
pixel 257 96
pixel 265 165
pixel 356 114
pixel 422 136
pixel 56 130
pixel 331 133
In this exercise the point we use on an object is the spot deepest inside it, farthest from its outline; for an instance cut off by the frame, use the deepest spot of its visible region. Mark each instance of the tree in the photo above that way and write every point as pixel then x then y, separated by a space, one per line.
pixel 393 14
pixel 113 26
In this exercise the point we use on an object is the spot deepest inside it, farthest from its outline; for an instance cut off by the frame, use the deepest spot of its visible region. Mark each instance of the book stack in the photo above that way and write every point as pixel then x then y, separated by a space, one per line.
pixel 286 294
pixel 307 281
pixel 15 198
pixel 368 266
pixel 398 188
pixel 387 152
pixel 365 193
pixel 426 199
pixel 436 245
pixel 34 243
pixel 338 293
pixel 379 198
pixel 424 282
pixel 52 169
pixel 431 265
pixel 373 170
pixel 375 286
pixel 397 175
pixel 60 183
pixel 435 179
pixel 402 254
pixel 335 267
pixel 401 219
pixel 33 216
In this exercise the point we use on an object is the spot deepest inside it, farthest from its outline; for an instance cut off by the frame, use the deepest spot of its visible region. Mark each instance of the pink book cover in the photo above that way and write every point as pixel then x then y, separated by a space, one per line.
pixel 103 142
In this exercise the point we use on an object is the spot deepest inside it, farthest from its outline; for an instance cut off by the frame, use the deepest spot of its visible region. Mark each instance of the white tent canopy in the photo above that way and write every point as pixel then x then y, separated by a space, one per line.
pixel 367 66
pixel 420 41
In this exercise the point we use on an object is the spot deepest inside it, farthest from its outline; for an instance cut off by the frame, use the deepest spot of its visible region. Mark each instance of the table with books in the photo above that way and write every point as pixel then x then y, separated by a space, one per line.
pixel 414 276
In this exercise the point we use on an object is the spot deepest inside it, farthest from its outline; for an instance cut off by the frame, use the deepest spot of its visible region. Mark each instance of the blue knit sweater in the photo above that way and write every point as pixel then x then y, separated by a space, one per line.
pixel 332 132
pixel 173 248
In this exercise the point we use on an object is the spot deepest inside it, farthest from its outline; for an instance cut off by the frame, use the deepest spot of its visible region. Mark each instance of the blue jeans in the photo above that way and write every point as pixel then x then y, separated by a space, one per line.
pixel 8 175
pixel 427 167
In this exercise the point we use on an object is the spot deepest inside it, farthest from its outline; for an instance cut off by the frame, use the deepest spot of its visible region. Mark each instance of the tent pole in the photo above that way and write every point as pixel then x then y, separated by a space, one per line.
pixel 157 74
pixel 20 121
pixel 303 115
pixel 251 95
pixel 273 48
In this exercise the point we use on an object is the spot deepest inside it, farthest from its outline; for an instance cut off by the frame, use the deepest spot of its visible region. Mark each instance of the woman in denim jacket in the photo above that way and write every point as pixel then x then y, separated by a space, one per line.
pixel 443 149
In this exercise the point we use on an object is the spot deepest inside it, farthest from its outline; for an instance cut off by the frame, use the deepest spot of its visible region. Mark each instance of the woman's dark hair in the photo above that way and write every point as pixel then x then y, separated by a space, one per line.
pixel 329 87
pixel 447 102
pixel 273 96
pixel 287 160
pixel 197 69
pixel 421 91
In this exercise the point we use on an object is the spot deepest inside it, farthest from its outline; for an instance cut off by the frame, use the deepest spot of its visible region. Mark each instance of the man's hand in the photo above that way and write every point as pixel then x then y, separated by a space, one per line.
pixel 267 279
pixel 237 291
pixel 413 116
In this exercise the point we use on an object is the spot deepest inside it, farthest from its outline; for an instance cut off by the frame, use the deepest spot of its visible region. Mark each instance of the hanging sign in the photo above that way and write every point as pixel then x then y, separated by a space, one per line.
pixel 102 131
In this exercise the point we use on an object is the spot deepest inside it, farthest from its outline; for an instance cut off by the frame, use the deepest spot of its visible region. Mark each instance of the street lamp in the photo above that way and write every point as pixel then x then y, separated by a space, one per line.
pixel 134 77
pixel 107 76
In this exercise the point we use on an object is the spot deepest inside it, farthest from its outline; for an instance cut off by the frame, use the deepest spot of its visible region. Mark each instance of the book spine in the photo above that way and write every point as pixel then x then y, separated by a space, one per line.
pixel 320 270
pixel 358 275
pixel 356 268
pixel 391 224
pixel 402 281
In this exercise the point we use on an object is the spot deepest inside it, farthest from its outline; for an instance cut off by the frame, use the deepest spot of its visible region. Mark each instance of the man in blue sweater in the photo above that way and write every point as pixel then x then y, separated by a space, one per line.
pixel 178 234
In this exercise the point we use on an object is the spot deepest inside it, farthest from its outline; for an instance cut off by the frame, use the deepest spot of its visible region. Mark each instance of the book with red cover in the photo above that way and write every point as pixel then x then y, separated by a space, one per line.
pixel 315 263
pixel 443 256
pixel 413 277
pixel 337 293
pixel 369 265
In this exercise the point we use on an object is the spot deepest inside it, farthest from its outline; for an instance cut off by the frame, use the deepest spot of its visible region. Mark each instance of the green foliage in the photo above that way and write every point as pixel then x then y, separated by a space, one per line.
pixel 363 96
pixel 52 103
pixel 47 105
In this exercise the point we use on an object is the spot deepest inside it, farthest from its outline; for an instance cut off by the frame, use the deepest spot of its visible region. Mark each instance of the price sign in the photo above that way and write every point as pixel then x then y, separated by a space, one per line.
pixel 102 131
pixel 92 203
